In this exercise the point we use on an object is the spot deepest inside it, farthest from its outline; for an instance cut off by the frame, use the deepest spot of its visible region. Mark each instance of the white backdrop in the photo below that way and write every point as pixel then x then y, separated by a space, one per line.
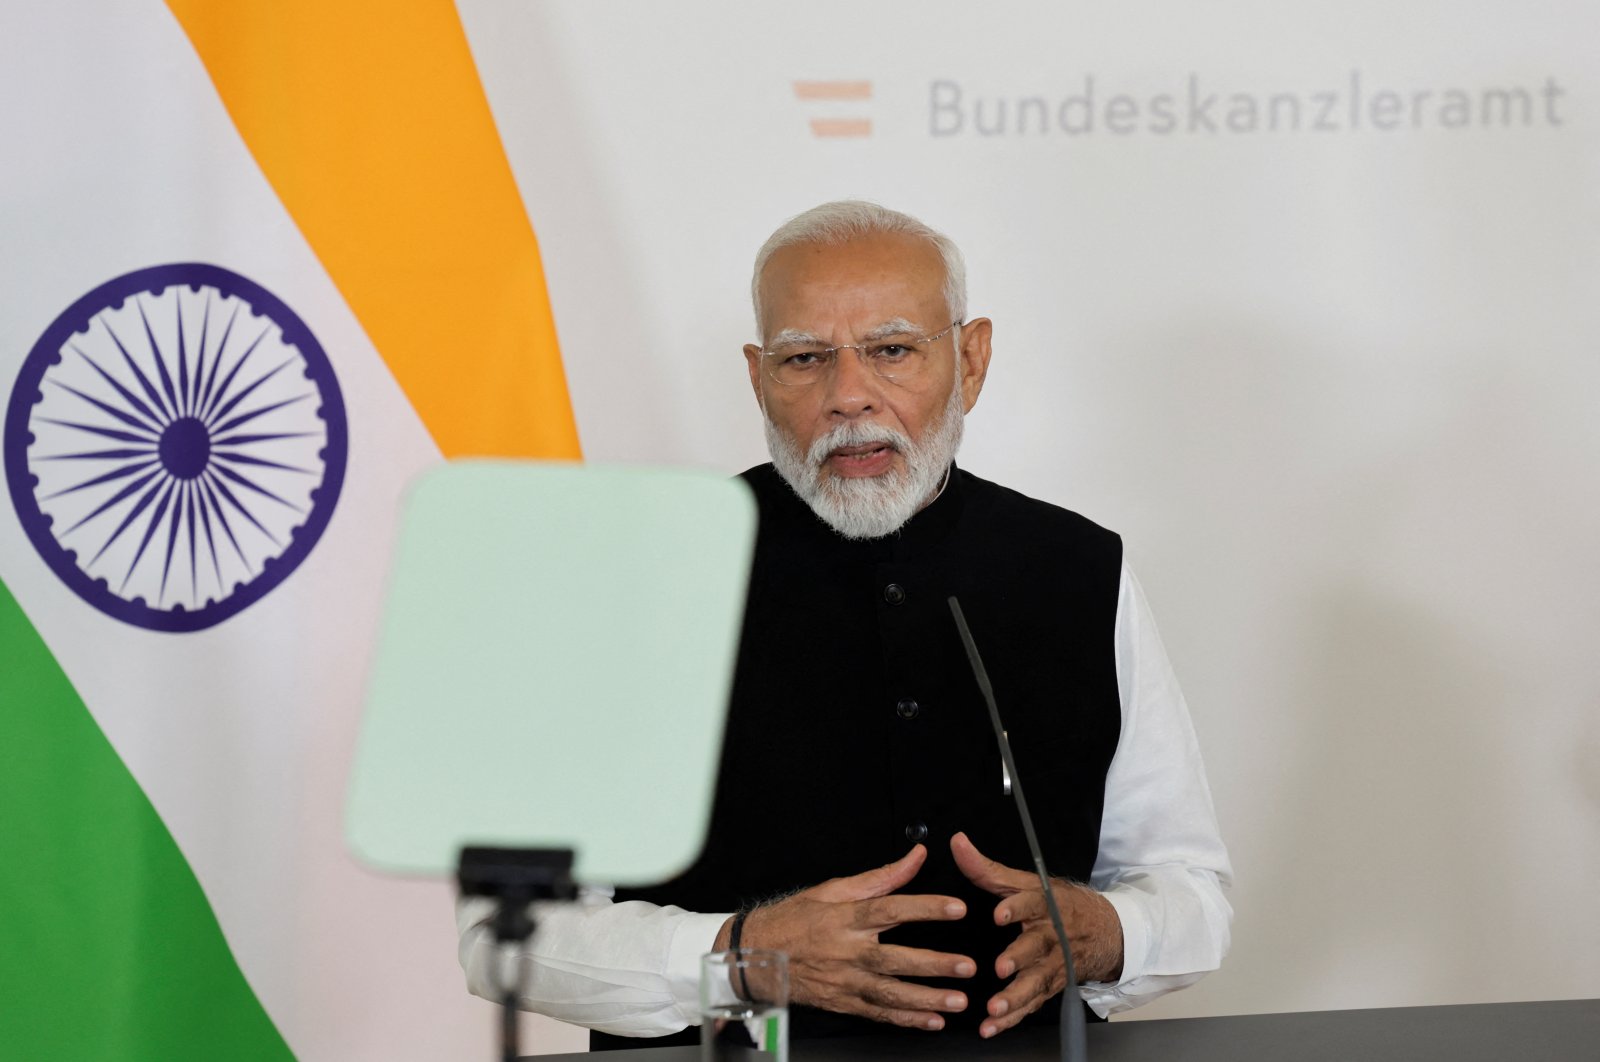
pixel 1322 349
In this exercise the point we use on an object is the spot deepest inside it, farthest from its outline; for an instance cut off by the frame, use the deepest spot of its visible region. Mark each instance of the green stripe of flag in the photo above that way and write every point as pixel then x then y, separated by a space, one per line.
pixel 108 948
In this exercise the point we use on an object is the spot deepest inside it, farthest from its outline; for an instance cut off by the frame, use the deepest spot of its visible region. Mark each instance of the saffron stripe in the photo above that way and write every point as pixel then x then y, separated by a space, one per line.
pixel 372 126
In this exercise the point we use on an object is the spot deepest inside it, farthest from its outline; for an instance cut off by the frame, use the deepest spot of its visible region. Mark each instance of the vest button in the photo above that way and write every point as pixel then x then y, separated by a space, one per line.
pixel 907 709
pixel 917 831
pixel 894 593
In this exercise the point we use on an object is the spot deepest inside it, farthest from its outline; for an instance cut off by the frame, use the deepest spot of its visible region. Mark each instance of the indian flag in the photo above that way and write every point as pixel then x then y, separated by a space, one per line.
pixel 263 261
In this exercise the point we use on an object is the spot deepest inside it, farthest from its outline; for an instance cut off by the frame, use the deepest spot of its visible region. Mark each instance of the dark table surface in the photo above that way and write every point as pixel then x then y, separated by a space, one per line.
pixel 1556 1031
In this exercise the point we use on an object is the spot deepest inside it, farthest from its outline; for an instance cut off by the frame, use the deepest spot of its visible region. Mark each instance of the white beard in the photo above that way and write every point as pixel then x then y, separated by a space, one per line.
pixel 870 506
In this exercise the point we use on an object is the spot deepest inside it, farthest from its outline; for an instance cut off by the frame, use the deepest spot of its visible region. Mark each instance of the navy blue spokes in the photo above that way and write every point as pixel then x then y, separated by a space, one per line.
pixel 216 361
pixel 244 511
pixel 108 477
pixel 109 433
pixel 227 381
pixel 101 455
pixel 194 556
pixel 144 381
pixel 183 355
pixel 127 396
pixel 233 403
pixel 149 532
pixel 143 503
pixel 160 360
pixel 260 462
pixel 245 440
pixel 112 501
pixel 222 518
pixel 249 484
pixel 245 418
pixel 173 526
pixel 127 418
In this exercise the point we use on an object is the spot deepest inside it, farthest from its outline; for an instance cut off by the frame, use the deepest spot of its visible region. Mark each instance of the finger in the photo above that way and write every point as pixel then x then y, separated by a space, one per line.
pixel 985 872
pixel 886 912
pixel 893 994
pixel 1022 906
pixel 1020 998
pixel 880 881
pixel 1027 950
pixel 909 1019
pixel 886 1000
pixel 898 961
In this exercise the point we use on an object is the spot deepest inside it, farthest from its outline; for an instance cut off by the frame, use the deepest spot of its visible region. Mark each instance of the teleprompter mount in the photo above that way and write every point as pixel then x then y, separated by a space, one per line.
pixel 515 878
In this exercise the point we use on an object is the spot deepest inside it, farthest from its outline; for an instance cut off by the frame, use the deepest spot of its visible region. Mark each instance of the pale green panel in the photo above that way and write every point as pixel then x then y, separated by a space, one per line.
pixel 554 667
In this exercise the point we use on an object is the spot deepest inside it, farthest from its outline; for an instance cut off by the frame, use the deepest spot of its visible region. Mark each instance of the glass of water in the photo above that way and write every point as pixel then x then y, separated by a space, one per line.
pixel 744 1006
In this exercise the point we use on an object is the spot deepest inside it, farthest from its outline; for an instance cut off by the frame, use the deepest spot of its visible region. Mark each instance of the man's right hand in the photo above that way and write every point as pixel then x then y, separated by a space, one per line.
pixel 830 932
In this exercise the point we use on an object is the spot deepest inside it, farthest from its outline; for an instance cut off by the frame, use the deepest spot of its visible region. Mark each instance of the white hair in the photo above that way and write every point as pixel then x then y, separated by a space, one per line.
pixel 848 219
pixel 870 506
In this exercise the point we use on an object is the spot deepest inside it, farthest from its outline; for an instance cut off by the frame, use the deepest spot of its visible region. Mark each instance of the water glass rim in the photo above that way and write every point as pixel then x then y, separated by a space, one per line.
pixel 747 956
pixel 726 976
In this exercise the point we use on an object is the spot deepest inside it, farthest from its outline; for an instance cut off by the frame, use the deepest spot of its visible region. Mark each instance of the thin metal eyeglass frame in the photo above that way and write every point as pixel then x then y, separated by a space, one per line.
pixel 858 348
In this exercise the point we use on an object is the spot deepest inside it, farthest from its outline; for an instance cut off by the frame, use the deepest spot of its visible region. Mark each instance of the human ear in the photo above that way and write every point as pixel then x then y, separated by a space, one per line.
pixel 974 365
pixel 752 360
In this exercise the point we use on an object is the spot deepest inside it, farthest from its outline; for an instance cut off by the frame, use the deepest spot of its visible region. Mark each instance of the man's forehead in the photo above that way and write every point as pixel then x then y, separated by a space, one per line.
pixel 882 253
pixel 866 284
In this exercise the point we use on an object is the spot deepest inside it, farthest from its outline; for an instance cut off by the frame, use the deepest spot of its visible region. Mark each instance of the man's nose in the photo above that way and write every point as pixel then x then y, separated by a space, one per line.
pixel 853 389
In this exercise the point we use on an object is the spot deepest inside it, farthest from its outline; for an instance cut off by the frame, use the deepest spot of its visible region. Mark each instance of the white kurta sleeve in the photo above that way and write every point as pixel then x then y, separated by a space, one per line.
pixel 631 968
pixel 1161 863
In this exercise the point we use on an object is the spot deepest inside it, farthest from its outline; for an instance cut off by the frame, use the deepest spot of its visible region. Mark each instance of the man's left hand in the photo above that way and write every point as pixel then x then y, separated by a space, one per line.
pixel 1033 960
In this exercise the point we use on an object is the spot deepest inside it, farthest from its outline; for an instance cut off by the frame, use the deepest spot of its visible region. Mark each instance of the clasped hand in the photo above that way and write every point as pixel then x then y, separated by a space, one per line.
pixel 830 932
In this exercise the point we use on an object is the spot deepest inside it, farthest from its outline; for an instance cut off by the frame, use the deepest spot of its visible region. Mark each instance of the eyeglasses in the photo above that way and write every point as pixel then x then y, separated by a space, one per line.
pixel 901 357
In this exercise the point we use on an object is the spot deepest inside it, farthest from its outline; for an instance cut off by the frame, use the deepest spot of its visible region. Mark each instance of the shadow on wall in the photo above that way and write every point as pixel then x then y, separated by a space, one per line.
pixel 1384 874
pixel 1354 635
pixel 1586 758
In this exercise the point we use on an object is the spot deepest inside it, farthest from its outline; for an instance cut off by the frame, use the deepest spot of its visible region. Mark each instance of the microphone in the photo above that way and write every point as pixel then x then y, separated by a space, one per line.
pixel 1074 1045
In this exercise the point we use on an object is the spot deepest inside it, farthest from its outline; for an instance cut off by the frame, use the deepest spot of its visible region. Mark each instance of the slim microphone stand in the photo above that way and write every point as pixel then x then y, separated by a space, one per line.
pixel 514 878
pixel 1074 1035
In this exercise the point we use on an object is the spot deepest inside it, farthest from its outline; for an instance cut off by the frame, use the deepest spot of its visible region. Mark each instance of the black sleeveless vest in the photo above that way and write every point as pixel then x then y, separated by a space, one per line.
pixel 855 727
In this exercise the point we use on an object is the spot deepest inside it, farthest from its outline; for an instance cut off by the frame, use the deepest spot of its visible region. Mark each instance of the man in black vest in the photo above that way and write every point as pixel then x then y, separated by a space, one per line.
pixel 857 737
